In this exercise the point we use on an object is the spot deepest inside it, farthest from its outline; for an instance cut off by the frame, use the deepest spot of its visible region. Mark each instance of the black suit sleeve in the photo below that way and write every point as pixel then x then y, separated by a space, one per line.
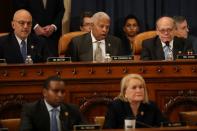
pixel 145 53
pixel 72 51
pixel 26 124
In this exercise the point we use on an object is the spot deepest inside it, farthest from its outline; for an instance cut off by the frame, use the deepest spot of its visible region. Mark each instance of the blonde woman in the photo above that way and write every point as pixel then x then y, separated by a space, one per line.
pixel 133 102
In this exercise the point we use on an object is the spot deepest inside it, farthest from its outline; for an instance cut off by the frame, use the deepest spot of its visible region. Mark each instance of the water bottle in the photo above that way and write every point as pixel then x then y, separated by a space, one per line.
pixel 108 58
pixel 28 60
pixel 170 56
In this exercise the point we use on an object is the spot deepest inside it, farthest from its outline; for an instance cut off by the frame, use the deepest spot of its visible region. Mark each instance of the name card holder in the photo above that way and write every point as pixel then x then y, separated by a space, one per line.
pixel 130 57
pixel 89 127
pixel 3 61
pixel 187 57
pixel 58 59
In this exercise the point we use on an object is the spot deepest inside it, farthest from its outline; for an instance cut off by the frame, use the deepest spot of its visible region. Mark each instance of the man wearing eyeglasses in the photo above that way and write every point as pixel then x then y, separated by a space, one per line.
pixel 165 42
pixel 182 30
pixel 16 46
pixel 51 113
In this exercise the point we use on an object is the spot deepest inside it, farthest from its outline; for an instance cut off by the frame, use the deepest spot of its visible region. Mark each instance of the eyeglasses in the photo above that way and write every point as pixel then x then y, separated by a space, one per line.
pixel 163 31
pixel 87 24
pixel 22 23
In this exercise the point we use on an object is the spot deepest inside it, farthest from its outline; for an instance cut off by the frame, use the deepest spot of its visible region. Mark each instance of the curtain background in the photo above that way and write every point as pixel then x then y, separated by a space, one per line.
pixel 147 12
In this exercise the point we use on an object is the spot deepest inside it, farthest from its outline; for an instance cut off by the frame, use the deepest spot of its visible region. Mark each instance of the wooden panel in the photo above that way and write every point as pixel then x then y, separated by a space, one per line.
pixel 166 81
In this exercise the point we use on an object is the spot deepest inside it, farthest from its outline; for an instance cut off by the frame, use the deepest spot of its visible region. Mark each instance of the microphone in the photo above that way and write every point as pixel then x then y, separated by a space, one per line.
pixel 167 43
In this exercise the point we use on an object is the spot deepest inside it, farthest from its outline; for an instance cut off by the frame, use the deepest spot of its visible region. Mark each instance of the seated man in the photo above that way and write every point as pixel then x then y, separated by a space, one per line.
pixel 86 21
pixel 15 46
pixel 159 47
pixel 95 45
pixel 182 30
pixel 50 113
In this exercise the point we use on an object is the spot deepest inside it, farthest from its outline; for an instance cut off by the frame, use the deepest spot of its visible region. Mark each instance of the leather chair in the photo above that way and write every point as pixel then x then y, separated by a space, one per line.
pixel 2 34
pixel 190 117
pixel 137 43
pixel 12 124
pixel 65 40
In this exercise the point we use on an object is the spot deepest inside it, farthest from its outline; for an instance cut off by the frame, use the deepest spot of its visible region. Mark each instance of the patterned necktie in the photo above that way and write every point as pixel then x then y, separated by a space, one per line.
pixel 167 51
pixel 54 126
pixel 24 49
pixel 98 53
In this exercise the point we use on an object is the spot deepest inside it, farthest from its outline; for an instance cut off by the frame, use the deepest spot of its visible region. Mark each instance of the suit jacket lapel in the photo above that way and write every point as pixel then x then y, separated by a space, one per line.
pixel 16 48
pixel 64 117
pixel 176 46
pixel 159 50
pixel 108 46
pixel 44 118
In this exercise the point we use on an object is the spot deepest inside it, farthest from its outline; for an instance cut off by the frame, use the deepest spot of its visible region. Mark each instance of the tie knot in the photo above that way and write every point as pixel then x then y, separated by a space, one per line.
pixel 54 110
pixel 23 42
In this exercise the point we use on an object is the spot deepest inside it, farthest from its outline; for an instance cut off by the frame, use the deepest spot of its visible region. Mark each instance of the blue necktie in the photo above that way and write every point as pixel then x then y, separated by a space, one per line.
pixel 54 126
pixel 24 49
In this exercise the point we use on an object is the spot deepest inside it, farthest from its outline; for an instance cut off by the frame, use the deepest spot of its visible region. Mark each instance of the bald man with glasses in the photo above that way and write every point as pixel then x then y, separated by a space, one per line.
pixel 157 48
pixel 20 43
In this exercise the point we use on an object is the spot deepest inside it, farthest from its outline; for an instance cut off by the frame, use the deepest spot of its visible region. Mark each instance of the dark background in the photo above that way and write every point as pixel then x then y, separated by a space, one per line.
pixel 146 10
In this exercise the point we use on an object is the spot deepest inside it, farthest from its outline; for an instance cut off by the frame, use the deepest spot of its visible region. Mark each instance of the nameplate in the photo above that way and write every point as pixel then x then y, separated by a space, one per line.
pixel 2 61
pixel 59 59
pixel 3 129
pixel 93 127
pixel 194 56
pixel 123 57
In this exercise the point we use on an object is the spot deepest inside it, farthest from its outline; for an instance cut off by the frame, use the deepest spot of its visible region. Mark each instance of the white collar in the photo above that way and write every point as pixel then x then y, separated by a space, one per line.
pixel 49 107
pixel 94 39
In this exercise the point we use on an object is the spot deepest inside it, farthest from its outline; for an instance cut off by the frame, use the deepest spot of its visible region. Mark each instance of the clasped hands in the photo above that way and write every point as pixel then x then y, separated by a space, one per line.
pixel 46 31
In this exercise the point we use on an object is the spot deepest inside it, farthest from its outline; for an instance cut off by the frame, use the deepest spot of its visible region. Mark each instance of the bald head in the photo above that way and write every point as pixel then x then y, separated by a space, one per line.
pixel 22 23
pixel 165 27
pixel 22 13
pixel 165 21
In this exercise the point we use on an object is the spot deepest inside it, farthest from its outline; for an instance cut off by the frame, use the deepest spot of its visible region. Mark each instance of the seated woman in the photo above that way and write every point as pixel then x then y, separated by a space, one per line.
pixel 130 30
pixel 133 102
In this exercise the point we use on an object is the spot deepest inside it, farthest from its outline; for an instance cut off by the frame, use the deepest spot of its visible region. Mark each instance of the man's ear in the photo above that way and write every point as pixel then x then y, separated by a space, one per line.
pixel 44 92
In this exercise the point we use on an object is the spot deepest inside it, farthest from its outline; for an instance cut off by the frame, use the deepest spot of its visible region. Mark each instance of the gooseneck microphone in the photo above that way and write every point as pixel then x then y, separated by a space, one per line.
pixel 143 124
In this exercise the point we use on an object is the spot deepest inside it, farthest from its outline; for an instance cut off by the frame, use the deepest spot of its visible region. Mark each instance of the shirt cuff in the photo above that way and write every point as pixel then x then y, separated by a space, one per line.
pixel 54 26
pixel 36 26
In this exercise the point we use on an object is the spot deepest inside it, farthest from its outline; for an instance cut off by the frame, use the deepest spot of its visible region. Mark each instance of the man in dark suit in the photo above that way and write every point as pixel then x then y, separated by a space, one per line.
pixel 51 113
pixel 85 47
pixel 47 19
pixel 182 30
pixel 154 48
pixel 12 45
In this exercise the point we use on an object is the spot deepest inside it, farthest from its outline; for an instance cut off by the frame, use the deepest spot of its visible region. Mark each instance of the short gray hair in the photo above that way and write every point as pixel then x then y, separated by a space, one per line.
pixel 100 15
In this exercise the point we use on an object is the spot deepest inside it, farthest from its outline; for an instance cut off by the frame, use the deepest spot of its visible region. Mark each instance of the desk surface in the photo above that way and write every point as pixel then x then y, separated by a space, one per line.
pixel 186 128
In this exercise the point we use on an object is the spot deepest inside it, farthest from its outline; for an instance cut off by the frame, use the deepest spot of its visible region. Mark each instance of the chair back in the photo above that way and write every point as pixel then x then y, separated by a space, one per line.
pixel 137 43
pixel 65 40
pixel 13 124
pixel 190 117
pixel 2 34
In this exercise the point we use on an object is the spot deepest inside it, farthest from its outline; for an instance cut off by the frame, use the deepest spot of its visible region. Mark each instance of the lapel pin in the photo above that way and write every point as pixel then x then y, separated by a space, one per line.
pixel 142 113
pixel 66 113
pixel 109 44
pixel 32 46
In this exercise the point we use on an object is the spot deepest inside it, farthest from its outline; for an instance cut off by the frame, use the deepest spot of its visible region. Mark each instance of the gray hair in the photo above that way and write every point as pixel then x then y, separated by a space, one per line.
pixel 100 15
